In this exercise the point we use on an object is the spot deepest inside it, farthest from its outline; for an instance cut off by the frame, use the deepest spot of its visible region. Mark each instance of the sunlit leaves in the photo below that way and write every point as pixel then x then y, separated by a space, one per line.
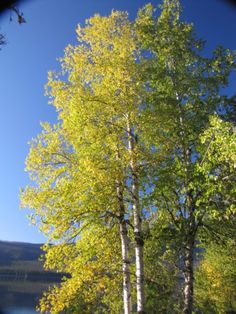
pixel 76 164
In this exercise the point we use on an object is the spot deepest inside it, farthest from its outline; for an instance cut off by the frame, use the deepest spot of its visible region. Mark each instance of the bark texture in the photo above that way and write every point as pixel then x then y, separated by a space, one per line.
pixel 125 251
pixel 139 243
pixel 188 276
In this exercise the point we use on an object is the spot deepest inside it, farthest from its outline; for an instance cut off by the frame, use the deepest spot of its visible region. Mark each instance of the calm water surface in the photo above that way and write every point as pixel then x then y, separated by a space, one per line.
pixel 20 297
pixel 18 311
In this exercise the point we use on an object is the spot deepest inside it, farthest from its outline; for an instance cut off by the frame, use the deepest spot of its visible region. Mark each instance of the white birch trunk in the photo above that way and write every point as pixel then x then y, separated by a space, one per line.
pixel 125 268
pixel 188 277
pixel 189 254
pixel 139 243
pixel 125 251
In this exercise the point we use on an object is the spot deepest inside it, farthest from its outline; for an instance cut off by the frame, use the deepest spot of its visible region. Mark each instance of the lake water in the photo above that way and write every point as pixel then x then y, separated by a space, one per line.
pixel 20 297
pixel 18 311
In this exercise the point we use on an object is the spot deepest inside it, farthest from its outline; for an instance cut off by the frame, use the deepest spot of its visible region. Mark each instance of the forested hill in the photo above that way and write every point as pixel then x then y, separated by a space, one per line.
pixel 12 253
pixel 21 260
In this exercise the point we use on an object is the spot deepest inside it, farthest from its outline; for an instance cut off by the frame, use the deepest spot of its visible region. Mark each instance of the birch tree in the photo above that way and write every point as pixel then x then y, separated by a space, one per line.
pixel 86 168
pixel 185 90
pixel 139 136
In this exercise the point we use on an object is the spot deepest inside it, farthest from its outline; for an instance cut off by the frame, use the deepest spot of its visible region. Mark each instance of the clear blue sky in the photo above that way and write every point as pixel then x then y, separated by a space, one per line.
pixel 32 51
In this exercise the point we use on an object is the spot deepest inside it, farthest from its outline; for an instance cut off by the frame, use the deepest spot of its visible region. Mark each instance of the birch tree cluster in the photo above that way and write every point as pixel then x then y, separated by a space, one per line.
pixel 134 186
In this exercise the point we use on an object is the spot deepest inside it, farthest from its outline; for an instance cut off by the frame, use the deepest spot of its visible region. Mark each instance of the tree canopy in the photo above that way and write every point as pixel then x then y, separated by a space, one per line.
pixel 140 167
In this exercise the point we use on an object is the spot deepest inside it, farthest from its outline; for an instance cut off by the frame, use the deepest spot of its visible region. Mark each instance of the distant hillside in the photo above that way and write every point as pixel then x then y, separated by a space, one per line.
pixel 20 260
pixel 19 253
pixel 22 278
pixel 15 251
